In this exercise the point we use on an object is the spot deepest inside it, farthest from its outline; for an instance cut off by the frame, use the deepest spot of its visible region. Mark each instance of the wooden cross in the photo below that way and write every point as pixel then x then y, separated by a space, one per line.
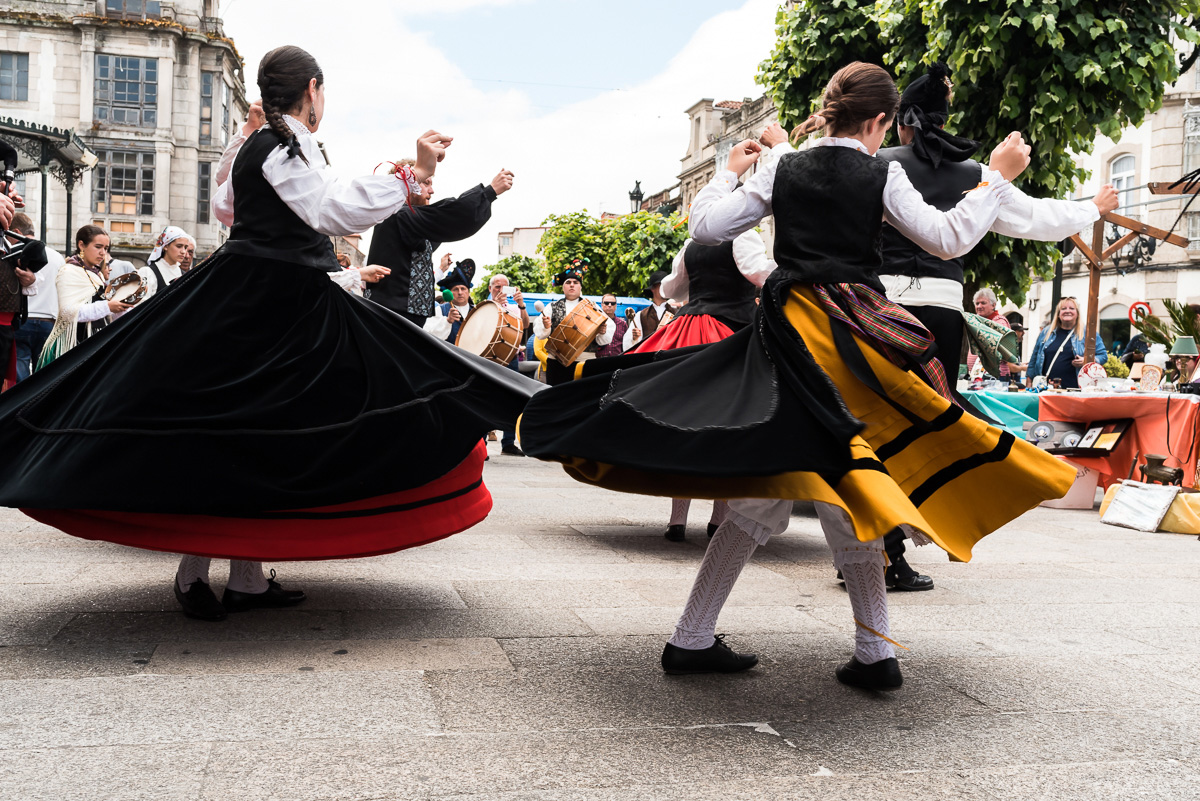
pixel 1096 255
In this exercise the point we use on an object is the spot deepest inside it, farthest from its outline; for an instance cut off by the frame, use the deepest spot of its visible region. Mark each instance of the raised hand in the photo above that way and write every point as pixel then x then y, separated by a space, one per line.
pixel 1106 199
pixel 502 182
pixel 1011 157
pixel 431 148
pixel 256 119
pixel 773 135
pixel 743 155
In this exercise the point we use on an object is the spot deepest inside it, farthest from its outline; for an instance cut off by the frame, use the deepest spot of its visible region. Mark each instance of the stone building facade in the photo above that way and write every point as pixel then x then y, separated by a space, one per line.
pixel 155 89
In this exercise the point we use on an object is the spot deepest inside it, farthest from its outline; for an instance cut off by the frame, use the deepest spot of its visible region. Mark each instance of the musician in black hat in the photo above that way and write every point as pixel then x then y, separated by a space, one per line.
pixel 650 318
pixel 455 311
pixel 571 281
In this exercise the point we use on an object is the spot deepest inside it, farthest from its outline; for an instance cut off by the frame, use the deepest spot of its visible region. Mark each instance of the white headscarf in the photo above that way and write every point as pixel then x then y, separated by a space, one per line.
pixel 169 235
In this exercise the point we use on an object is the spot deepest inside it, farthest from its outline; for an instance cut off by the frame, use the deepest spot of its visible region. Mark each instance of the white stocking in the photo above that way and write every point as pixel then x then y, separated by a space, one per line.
pixel 862 565
pixel 728 552
pixel 720 510
pixel 679 511
pixel 191 570
pixel 246 577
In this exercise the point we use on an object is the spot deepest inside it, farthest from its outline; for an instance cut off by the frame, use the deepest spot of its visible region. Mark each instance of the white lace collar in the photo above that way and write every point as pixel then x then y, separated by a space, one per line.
pixel 298 128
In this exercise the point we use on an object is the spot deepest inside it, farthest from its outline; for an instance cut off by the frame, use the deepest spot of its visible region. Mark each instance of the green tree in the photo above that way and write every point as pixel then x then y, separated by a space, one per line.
pixel 639 244
pixel 1058 70
pixel 530 275
pixel 577 235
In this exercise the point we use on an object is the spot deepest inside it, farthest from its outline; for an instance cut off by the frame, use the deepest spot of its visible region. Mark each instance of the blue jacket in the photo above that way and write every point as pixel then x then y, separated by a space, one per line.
pixel 1035 361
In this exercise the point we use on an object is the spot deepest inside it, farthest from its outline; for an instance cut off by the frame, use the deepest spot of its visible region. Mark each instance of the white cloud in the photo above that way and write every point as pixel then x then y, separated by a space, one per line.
pixel 386 84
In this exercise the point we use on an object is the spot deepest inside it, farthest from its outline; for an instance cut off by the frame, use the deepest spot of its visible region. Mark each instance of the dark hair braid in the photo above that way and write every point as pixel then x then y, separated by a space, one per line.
pixel 856 93
pixel 283 77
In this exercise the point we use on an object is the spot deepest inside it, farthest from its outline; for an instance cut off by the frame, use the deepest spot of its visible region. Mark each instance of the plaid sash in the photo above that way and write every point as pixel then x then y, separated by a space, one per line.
pixel 891 330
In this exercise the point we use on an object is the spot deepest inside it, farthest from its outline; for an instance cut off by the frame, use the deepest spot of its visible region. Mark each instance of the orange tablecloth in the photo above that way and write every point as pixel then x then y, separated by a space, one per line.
pixel 1152 415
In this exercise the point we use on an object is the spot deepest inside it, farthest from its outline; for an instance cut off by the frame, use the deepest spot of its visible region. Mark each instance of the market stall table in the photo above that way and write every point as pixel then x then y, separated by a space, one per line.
pixel 1163 422
pixel 1009 410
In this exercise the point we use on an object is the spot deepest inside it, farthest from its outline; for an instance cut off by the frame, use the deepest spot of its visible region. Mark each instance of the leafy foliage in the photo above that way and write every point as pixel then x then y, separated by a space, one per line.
pixel 1183 322
pixel 529 275
pixel 621 251
pixel 1115 368
pixel 1057 70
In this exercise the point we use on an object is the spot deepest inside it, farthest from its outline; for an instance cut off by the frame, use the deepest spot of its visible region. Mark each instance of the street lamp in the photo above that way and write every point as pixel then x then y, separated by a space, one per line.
pixel 635 198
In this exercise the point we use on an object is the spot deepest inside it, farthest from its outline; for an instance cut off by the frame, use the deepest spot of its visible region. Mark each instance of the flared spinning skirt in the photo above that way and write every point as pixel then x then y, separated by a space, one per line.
pixel 255 410
pixel 775 411
pixel 685 331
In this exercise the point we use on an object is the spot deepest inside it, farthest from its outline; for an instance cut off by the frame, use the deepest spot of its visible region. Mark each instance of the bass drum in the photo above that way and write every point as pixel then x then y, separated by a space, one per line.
pixel 491 332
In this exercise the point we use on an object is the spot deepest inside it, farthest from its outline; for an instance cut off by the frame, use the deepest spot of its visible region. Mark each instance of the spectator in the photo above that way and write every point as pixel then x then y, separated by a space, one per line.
pixel 80 282
pixel 43 305
pixel 608 304
pixel 1059 347
pixel 16 285
pixel 459 282
pixel 985 306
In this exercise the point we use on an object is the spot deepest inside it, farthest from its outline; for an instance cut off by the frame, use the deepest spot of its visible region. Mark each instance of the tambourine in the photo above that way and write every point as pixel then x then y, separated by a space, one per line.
pixel 128 288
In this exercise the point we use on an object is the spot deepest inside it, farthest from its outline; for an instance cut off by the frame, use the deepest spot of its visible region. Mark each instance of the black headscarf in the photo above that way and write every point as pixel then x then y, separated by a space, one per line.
pixel 925 107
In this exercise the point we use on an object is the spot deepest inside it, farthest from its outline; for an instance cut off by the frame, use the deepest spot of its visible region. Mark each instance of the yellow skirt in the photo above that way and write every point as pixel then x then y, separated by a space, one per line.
pixel 955 480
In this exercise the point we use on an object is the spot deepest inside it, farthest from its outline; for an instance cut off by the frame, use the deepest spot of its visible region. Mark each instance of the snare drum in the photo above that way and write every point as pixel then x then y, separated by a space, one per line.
pixel 491 332
pixel 127 288
pixel 579 328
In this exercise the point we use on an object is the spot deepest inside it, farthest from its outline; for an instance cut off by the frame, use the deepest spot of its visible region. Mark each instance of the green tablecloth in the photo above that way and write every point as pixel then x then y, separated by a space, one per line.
pixel 1009 410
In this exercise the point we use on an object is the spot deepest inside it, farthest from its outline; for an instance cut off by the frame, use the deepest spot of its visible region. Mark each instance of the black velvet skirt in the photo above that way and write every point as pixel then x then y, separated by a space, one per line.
pixel 256 410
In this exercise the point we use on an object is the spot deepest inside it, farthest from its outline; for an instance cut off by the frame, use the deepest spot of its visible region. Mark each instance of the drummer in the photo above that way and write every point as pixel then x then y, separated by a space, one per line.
pixel 507 299
pixel 571 282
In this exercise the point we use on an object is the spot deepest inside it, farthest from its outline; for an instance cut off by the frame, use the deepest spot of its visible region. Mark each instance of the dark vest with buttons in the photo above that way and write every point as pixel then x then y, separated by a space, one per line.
pixel 263 224
pixel 716 287
pixel 942 188
pixel 828 206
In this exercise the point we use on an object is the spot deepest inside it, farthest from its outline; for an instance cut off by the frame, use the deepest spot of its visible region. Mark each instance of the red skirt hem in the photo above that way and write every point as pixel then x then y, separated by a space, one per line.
pixel 685 331
pixel 447 505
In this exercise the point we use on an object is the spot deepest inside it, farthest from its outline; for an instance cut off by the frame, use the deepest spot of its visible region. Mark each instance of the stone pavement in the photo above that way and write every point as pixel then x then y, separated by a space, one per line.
pixel 519 660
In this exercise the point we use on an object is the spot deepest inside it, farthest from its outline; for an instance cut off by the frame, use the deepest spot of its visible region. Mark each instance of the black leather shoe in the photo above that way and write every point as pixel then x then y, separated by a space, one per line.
pixel 882 675
pixel 717 658
pixel 675 533
pixel 274 598
pixel 199 601
pixel 712 529
pixel 901 576
pixel 512 450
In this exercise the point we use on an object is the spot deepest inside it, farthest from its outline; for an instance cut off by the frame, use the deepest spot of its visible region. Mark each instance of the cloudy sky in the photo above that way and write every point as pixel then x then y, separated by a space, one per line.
pixel 578 99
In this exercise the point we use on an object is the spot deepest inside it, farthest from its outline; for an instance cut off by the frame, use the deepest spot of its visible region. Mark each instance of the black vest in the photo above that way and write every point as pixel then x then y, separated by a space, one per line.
pixel 446 307
pixel 263 225
pixel 828 206
pixel 715 287
pixel 942 188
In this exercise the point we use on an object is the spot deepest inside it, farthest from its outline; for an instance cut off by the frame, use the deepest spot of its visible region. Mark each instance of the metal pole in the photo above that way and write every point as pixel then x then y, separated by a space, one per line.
pixel 45 196
pixel 70 192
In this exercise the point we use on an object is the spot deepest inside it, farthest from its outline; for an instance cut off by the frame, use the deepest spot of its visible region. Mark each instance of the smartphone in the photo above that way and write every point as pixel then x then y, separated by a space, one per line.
pixel 509 291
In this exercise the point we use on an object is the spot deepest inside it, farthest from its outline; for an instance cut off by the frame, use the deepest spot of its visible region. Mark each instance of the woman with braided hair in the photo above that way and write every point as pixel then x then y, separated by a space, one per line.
pixel 824 397
pixel 264 404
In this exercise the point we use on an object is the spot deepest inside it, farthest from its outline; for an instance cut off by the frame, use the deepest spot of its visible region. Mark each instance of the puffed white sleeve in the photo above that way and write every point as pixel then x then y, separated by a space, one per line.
pixel 225 165
pixel 1046 219
pixel 437 326
pixel 222 203
pixel 720 211
pixel 750 254
pixel 540 329
pixel 93 311
pixel 627 340
pixel 950 234
pixel 349 280
pixel 330 205
pixel 675 285
pixel 605 336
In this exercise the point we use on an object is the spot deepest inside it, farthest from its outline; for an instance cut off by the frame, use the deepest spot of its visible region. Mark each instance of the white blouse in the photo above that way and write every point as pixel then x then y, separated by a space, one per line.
pixel 749 253
pixel 721 212
pixel 329 205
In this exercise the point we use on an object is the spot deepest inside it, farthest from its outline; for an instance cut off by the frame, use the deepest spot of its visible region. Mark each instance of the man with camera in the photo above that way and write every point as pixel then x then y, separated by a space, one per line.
pixel 43 304
pixel 21 257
